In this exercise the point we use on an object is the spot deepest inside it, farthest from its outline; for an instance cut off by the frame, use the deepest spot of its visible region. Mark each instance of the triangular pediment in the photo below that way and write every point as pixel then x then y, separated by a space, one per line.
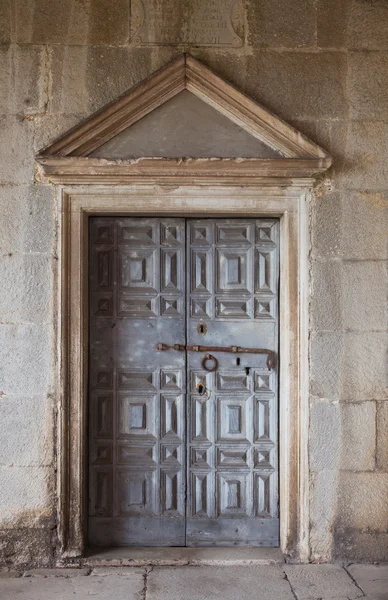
pixel 185 111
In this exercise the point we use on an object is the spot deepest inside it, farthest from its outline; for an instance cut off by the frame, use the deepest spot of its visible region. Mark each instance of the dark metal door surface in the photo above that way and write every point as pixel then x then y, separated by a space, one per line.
pixel 166 468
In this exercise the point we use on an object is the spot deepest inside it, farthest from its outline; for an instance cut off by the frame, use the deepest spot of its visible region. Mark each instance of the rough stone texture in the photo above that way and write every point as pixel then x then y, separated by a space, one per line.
pixel 218 582
pixel 321 581
pixel 128 587
pixel 65 572
pixel 372 579
pixel 321 65
pixel 343 436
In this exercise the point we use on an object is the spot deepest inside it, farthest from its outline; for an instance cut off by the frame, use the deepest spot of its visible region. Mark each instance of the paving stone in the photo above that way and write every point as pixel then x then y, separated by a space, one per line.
pixel 273 23
pixel 203 583
pixel 321 581
pixel 65 572
pixel 128 587
pixel 372 579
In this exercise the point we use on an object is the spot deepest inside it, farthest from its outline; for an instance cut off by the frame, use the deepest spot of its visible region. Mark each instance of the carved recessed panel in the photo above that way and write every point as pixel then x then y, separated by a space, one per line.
pixel 201 501
pixel 137 493
pixel 237 381
pixel 104 269
pixel 233 308
pixel 201 272
pixel 171 482
pixel 141 234
pixel 231 494
pixel 137 271
pixel 102 498
pixel 262 494
pixel 139 381
pixel 136 416
pixel 137 308
pixel 232 419
pixel 137 457
pixel 232 271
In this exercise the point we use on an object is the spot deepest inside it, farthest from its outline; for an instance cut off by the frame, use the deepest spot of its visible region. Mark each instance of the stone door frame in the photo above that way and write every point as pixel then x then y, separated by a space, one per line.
pixel 286 199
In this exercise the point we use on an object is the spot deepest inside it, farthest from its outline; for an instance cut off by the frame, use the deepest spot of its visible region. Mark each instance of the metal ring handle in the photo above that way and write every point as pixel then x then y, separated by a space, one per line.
pixel 207 358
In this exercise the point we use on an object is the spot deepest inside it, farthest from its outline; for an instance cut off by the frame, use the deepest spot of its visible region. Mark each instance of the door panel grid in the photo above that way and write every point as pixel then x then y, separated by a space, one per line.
pixel 174 463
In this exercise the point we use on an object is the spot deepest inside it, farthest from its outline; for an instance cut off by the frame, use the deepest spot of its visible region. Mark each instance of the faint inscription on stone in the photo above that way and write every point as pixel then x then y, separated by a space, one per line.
pixel 194 22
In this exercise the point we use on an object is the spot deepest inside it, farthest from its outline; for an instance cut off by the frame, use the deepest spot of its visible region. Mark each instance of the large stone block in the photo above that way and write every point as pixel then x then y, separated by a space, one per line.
pixel 350 225
pixel 26 547
pixel 382 436
pixel 28 217
pixel 362 502
pixel 349 365
pixel 368 85
pixel 372 579
pixel 342 436
pixel 321 582
pixel 323 500
pixel 363 546
pixel 27 282
pixel 332 18
pixel 72 22
pixel 32 443
pixel 27 496
pixel 26 359
pixel 5 22
pixel 16 150
pixel 273 23
pixel 349 295
pixel 87 78
pixel 368 25
pixel 298 85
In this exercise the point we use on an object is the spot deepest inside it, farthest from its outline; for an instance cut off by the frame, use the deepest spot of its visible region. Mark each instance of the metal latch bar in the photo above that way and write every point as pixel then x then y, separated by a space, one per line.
pixel 271 357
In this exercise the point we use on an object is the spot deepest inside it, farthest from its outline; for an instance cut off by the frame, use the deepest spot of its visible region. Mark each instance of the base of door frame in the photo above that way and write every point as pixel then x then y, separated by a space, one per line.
pixel 177 557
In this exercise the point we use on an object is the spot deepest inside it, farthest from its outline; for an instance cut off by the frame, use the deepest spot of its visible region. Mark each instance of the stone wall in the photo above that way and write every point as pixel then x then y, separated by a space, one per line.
pixel 322 65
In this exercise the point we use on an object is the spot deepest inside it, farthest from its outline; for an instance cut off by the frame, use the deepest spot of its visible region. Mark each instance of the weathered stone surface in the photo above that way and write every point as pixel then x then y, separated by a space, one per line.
pixel 356 295
pixel 342 436
pixel 351 225
pixel 5 22
pixel 359 545
pixel 182 582
pixel 281 25
pixel 323 508
pixel 362 503
pixel 382 436
pixel 27 295
pixel 299 85
pixel 26 359
pixel 118 571
pixel 28 217
pixel 368 85
pixel 349 366
pixel 72 22
pixel 90 77
pixel 26 496
pixel 16 150
pixel 368 24
pixel 372 579
pixel 321 581
pixel 65 572
pixel 332 18
pixel 33 446
pixel 128 587
pixel 365 165
pixel 26 547
pixel 6 574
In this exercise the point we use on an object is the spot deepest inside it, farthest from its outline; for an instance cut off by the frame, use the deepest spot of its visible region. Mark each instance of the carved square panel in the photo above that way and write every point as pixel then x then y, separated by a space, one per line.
pixel 266 232
pixel 262 494
pixel 264 420
pixel 232 457
pixel 201 424
pixel 104 269
pixel 236 381
pixel 264 381
pixel 103 234
pixel 265 307
pixel 139 381
pixel 200 458
pixel 171 380
pixel 171 498
pixel 232 419
pixel 171 417
pixel 263 458
pixel 233 308
pixel 103 415
pixel 171 271
pixel 230 234
pixel 137 492
pixel 140 233
pixel 171 307
pixel 171 455
pixel 136 416
pixel 201 307
pixel 201 234
pixel 137 308
pixel 231 494
pixel 201 494
pixel 201 379
pixel 201 272
pixel 102 493
pixel 103 378
pixel 102 305
pixel 171 233
pixel 265 271
pixel 137 457
pixel 233 267
pixel 103 453
pixel 137 271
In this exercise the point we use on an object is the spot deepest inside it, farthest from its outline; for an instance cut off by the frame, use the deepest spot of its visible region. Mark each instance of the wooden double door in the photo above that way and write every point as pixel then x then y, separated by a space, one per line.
pixel 183 443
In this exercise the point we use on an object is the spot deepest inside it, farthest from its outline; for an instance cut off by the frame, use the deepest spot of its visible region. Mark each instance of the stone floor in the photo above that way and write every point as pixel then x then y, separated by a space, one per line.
pixel 263 582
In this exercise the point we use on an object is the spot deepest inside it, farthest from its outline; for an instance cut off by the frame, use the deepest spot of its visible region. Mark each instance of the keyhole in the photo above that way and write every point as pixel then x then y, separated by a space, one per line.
pixel 201 389
pixel 202 328
pixel 247 369
pixel 238 361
